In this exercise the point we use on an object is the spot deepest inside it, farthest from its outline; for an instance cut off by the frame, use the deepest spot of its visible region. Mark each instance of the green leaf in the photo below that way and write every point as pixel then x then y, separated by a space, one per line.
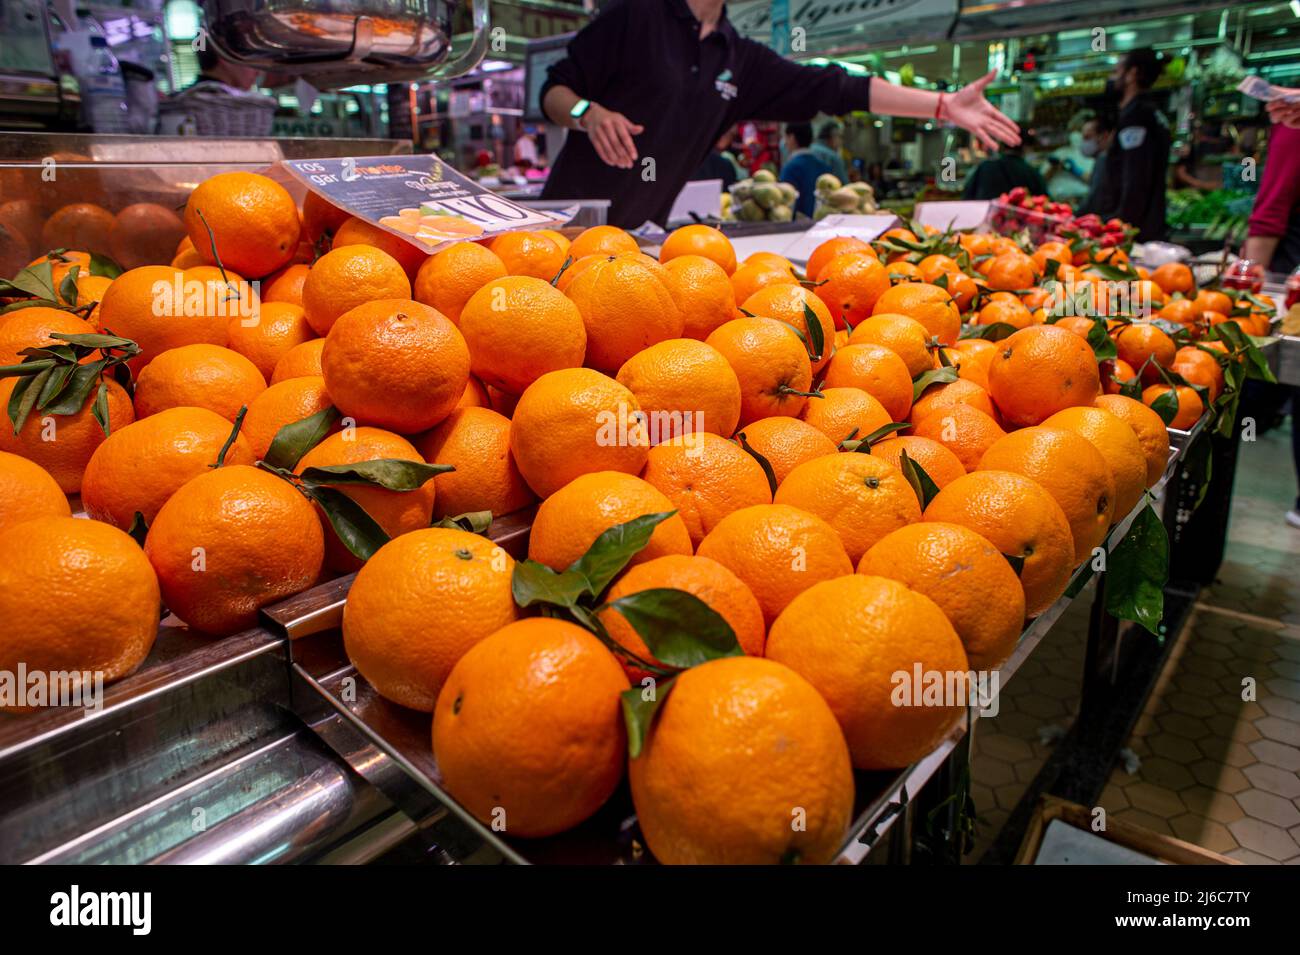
pixel 1103 346
pixel 395 474
pixel 1017 563
pixel 535 583
pixel 358 531
pixel 103 265
pixel 294 440
pixel 994 333
pixel 1116 273
pixel 1166 406
pixel 768 471
pixel 1138 571
pixel 100 408
pixel 884 431
pixel 816 336
pixel 921 482
pixel 475 522
pixel 1080 580
pixel 639 713
pixel 679 628
pixel 58 379
pixel 1132 388
pixel 23 398
pixel 98 341
pixel 35 280
pixel 935 376
pixel 138 530
pixel 74 395
pixel 609 554
pixel 68 287
pixel 1049 271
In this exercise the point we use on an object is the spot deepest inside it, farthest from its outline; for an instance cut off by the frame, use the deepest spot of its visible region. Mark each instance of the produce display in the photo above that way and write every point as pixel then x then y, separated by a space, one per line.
pixel 1220 215
pixel 760 198
pixel 761 492
pixel 833 196
pixel 1043 218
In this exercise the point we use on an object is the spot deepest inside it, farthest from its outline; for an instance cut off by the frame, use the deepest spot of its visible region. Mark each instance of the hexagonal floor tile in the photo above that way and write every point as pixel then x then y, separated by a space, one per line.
pixel 1282 687
pixel 1282 707
pixel 1283 731
pixel 1190 704
pixel 1266 806
pixel 1154 799
pixel 1273 780
pixel 1212 804
pixel 1137 817
pixel 1008 796
pixel 1203 832
pixel 1009 749
pixel 1226 779
pixel 1249 857
pixel 1113 798
pixel 1189 727
pixel 1276 754
pixel 1167 773
pixel 992 772
pixel 1288 669
pixel 1264 838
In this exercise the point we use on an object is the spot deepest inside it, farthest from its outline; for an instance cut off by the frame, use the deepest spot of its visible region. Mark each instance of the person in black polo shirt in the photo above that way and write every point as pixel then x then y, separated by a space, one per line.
pixel 653 83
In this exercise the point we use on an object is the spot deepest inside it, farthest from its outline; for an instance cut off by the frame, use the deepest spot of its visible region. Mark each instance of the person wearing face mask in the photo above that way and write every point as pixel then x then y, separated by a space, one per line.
pixel 1098 136
pixel 1068 169
pixel 1136 164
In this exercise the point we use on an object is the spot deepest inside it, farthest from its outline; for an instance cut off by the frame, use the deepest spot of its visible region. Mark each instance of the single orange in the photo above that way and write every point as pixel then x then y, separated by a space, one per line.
pixel 284 402
pixel 519 329
pixel 624 309
pixel 930 305
pixel 198 376
pixel 844 413
pixel 786 442
pixel 602 240
pixel 356 231
pixel 877 371
pixel 940 464
pixel 448 279
pixel 1151 432
pixel 770 362
pixel 904 336
pixel 27 491
pixel 683 385
pixel 349 276
pixel 705 477
pixel 1117 443
pixel 529 253
pixel 702 292
pixel 265 339
pixel 1188 402
pixel 251 221
pixel 476 442
pixel 1040 370
pixel 699 240
pixel 302 360
pixel 791 303
pixel 851 284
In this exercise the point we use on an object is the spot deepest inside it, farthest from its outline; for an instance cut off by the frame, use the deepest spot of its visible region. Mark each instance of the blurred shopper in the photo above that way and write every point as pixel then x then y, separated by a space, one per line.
pixel 221 102
pixel 1001 173
pixel 875 178
pixel 648 85
pixel 829 147
pixel 1202 167
pixel 527 155
pixel 718 164
pixel 1098 138
pixel 1137 163
pixel 802 166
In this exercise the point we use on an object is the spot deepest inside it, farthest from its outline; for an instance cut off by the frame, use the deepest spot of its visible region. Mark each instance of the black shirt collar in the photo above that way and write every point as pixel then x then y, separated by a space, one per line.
pixel 680 10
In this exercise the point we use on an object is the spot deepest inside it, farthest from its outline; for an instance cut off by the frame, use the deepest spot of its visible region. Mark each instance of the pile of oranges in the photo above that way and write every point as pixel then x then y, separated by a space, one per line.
pixel 761 495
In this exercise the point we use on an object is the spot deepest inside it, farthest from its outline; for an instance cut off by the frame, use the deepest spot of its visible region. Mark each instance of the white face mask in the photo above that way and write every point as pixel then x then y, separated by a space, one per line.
pixel 1089 147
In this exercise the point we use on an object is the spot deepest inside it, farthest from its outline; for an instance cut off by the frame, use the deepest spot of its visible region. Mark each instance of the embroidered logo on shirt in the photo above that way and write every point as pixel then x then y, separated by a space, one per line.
pixel 1131 137
pixel 726 89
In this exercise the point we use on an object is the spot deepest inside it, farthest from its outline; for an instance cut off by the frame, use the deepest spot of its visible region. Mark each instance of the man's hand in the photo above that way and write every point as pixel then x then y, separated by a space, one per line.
pixel 611 134
pixel 969 109
pixel 1284 112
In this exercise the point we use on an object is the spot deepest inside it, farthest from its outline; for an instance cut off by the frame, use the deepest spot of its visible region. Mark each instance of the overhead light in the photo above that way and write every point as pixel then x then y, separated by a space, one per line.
pixel 492 66
pixel 1295 7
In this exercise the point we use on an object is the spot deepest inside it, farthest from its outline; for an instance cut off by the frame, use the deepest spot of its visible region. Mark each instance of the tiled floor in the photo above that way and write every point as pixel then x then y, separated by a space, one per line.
pixel 1212 764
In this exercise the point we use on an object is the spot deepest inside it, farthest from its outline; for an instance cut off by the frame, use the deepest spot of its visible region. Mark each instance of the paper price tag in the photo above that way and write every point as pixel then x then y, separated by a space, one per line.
pixel 420 198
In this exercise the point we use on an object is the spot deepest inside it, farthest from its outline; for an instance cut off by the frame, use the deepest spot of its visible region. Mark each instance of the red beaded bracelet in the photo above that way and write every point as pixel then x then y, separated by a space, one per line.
pixel 938 106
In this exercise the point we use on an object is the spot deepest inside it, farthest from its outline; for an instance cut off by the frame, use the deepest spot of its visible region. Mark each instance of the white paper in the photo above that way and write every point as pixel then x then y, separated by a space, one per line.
pixel 861 227
pixel 959 214
pixel 702 197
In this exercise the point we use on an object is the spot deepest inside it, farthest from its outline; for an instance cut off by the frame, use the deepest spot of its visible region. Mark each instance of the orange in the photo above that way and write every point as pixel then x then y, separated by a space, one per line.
pixel 718 587
pixel 278 327
pixel 683 385
pixel 1199 368
pixel 1059 251
pixel 770 362
pixel 572 422
pixel 321 218
pixel 198 376
pixel 396 364
pixel 356 231
pixel 933 266
pixel 63 444
pixel 941 465
pixel 877 371
pixel 1149 428
pixel 27 491
pixel 1118 444
pixel 930 305
pixel 602 240
pixel 139 467
pixel 851 285
pixel 624 308
pixel 790 303
pixel 719 784
pixel 699 240
pixel 61 263
pixel 1174 277
pixel 558 237
pixel 186 256
pixel 528 253
pixel 786 442
pixel 964 430
pixel 448 279
pixel 1079 324
pixel 396 512
pixel 231 541
pixel 748 279
pixel 285 285
pixel 32 327
pixel 284 402
pixel 1070 469
pixel 833 248
pixel 418 604
pixel 941 397
pixel 476 442
pixel 843 412
pixel 849 638
pixel 1210 300
pixel 302 360
pixel 1021 519
pixel 779 551
pixel 771 258
pixel 706 477
pixel 863 497
pixel 1190 406
pixel 1142 341
pixel 702 292
pixel 528 731
pixel 1114 373
pixel 349 276
pixel 1181 310
pixel 519 329
pixel 253 221
pixel 1011 271
pixel 144 233
pixel 905 337
pixel 1040 370
pixel 85 595
pixel 964 574
pixel 81 225
pixel 475 395
pixel 1006 312
pixel 569 521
